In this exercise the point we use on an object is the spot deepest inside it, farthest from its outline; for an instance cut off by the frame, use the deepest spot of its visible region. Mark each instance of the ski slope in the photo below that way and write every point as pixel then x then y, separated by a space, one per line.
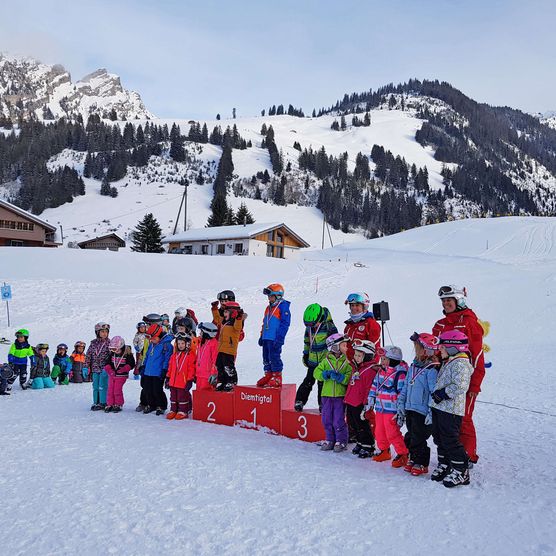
pixel 74 480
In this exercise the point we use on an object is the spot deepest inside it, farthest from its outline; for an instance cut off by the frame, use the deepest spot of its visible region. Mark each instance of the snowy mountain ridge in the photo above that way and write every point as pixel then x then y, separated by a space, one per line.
pixel 46 92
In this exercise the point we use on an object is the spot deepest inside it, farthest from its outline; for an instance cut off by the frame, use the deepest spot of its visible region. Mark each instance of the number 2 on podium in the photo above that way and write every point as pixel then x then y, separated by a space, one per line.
pixel 210 418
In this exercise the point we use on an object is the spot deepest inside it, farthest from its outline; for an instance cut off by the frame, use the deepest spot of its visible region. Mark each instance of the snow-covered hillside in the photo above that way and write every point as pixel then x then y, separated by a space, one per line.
pixel 154 189
pixel 31 88
pixel 138 484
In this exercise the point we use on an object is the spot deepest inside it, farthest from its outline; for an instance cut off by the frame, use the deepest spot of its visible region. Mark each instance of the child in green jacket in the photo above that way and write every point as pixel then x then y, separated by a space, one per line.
pixel 334 371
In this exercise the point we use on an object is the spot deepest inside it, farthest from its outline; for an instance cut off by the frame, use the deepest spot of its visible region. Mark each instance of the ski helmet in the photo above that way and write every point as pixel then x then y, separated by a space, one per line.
pixel 233 307
pixel 208 329
pixel 140 324
pixel 366 347
pixel 79 343
pixel 180 312
pixel 226 295
pixel 101 326
pixel 38 347
pixel 155 330
pixel 427 341
pixel 454 341
pixel 165 317
pixel 22 332
pixel 62 346
pixel 313 314
pixel 6 371
pixel 152 318
pixel 274 289
pixel 334 340
pixel 185 337
pixel 188 323
pixel 459 294
pixel 116 343
pixel 393 352
pixel 358 297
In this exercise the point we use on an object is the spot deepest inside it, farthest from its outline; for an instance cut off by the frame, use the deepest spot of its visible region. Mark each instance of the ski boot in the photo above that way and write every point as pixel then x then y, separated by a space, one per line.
pixel 108 409
pixel 263 382
pixel 298 406
pixel 148 409
pixel 140 408
pixel 419 470
pixel 327 446
pixel 340 447
pixel 365 453
pixel 456 478
pixel 357 449
pixel 96 407
pixel 383 455
pixel 171 415
pixel 180 415
pixel 408 466
pixel 275 380
pixel 159 411
pixel 440 473
pixel 399 461
pixel 116 408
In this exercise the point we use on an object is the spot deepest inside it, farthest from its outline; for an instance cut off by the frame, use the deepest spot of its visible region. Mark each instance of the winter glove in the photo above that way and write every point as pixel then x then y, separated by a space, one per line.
pixel 338 377
pixel 213 380
pixel 440 395
pixel 214 304
pixel 428 418
pixel 85 372
pixel 305 359
pixel 326 375
pixel 371 402
pixel 260 341
pixel 167 383
pixel 71 375
pixel 29 383
pixel 363 414
pixel 400 418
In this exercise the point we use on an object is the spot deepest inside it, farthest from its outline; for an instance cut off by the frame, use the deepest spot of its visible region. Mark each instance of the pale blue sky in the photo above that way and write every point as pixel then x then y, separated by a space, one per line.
pixel 194 59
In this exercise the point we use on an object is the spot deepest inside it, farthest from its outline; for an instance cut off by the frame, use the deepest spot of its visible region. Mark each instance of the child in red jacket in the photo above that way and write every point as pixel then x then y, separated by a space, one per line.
pixel 181 372
pixel 205 362
pixel 361 324
pixel 356 396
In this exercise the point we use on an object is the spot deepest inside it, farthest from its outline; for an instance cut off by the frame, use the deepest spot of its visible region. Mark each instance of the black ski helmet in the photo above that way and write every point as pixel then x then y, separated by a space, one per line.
pixel 226 295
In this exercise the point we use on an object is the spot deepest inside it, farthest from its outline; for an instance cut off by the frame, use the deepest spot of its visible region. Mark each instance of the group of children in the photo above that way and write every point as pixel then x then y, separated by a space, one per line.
pixel 365 391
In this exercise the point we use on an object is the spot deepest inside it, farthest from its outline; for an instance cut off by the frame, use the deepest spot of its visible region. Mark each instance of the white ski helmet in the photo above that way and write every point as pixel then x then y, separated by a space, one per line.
pixel 459 294
pixel 180 312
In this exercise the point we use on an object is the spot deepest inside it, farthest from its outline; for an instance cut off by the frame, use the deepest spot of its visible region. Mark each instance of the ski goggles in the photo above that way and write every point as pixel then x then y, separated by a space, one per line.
pixel 355 298
pixel 40 347
pixel 267 291
pixel 182 336
pixel 447 291
pixel 359 343
pixel 453 342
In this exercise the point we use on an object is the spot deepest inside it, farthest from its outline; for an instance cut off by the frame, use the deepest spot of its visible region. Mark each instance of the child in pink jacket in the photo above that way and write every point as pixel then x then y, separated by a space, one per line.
pixel 119 364
pixel 356 396
pixel 207 351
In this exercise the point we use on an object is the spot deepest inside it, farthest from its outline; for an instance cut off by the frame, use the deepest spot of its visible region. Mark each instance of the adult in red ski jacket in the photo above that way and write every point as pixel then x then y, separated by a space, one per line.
pixel 457 316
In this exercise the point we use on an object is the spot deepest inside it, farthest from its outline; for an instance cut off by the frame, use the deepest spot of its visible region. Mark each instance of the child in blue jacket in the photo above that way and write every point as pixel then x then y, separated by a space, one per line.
pixel 276 322
pixel 414 402
pixel 155 367
pixel 62 365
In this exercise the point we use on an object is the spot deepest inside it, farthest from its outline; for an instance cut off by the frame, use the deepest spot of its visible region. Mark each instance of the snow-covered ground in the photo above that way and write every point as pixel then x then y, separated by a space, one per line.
pixel 78 481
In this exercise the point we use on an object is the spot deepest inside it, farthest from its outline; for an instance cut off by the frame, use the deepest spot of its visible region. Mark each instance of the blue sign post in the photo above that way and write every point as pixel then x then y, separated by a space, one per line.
pixel 6 295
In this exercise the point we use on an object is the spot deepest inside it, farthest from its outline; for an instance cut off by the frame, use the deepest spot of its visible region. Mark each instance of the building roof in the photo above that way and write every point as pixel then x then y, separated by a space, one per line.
pixel 230 232
pixel 28 215
pixel 92 239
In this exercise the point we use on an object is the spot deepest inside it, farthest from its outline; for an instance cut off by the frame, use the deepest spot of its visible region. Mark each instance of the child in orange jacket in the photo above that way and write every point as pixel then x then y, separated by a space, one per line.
pixel 180 376
pixel 230 325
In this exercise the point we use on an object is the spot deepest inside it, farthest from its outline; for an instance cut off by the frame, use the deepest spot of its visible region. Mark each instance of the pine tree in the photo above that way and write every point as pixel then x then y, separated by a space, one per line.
pixel 147 236
pixel 243 216
pixel 219 208
pixel 218 116
pixel 343 123
pixel 234 113
pixel 105 186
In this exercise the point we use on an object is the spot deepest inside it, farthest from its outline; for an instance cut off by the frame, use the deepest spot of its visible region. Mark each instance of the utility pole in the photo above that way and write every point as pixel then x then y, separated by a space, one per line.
pixel 182 203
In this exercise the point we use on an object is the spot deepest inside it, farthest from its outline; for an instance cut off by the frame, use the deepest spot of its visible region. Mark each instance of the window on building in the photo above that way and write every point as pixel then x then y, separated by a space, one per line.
pixel 280 238
pixel 188 250
pixel 269 250
pixel 204 249
pixel 13 225
pixel 270 235
pixel 238 248
pixel 15 243
pixel 280 252
pixel 221 249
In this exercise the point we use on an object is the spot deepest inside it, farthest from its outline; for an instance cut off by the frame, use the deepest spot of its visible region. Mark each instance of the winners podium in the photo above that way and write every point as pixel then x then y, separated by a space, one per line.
pixel 268 410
